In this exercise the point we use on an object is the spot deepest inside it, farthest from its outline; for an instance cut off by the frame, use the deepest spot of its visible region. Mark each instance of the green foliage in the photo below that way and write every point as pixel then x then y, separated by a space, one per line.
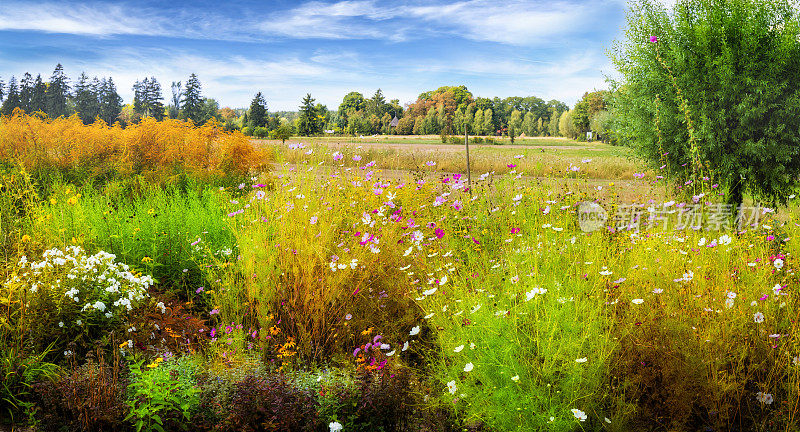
pixel 163 394
pixel 716 93
pixel 192 101
pixel 20 370
pixel 309 121
pixel 258 111
pixel 154 230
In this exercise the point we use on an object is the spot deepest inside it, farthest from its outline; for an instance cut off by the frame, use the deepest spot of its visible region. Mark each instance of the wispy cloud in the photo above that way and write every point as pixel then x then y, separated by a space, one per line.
pixel 81 19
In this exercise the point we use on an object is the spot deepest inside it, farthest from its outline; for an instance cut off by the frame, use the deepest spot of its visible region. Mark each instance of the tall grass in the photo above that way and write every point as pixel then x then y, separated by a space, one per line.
pixel 77 153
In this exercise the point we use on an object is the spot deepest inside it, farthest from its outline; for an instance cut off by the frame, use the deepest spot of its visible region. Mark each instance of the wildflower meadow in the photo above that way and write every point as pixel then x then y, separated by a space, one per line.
pixel 317 291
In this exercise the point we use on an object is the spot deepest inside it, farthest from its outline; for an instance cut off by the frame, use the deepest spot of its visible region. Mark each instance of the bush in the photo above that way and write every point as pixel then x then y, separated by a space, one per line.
pixel 260 132
pixel 75 296
pixel 164 395
pixel 269 403
pixel 90 397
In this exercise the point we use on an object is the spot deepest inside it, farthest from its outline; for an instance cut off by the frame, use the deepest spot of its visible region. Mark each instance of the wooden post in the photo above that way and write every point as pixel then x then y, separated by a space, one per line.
pixel 466 143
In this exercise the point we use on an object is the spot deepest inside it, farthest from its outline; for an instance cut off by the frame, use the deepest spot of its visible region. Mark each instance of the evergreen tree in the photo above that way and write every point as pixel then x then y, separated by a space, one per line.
pixel 57 92
pixel 12 98
pixel 39 98
pixel 86 103
pixel 26 86
pixel 192 102
pixel 258 112
pixel 210 110
pixel 2 90
pixel 155 107
pixel 308 122
pixel 376 105
pixel 110 103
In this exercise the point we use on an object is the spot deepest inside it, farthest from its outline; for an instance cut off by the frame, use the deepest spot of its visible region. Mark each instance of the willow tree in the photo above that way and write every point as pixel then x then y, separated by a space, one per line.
pixel 710 87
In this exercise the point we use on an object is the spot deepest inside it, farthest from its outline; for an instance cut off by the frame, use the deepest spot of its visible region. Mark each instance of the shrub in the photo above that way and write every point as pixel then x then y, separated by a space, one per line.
pixel 72 296
pixel 269 403
pixel 164 395
pixel 90 397
pixel 260 132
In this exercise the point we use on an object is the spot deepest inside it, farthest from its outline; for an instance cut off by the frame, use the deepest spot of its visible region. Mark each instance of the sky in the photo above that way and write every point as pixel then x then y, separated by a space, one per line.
pixel 553 49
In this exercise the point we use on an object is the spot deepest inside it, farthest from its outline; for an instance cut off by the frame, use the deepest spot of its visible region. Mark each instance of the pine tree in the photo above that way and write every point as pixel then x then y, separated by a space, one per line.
pixel 57 92
pixel 155 106
pixel 2 90
pixel 39 97
pixel 258 111
pixel 110 103
pixel 85 100
pixel 308 121
pixel 26 85
pixel 12 98
pixel 192 102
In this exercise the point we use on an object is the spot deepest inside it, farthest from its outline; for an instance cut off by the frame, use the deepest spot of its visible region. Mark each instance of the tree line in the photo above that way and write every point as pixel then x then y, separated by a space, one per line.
pixel 97 98
pixel 448 110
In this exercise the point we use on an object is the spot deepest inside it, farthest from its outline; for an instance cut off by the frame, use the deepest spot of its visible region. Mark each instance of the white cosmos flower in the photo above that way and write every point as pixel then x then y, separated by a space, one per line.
pixel 778 263
pixel 414 331
pixel 729 303
pixel 405 346
pixel 581 360
pixel 451 386
pixel 637 301
pixel 515 378
pixel 468 367
pixel 458 348
pixel 430 291
pixel 765 398
pixel 335 427
pixel 580 415
pixel 758 317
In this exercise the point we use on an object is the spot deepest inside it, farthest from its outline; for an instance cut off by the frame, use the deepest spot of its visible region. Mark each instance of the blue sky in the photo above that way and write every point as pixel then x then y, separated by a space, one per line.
pixel 552 49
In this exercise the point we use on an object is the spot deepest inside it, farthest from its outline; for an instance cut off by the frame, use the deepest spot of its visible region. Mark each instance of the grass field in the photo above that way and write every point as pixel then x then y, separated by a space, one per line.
pixel 367 285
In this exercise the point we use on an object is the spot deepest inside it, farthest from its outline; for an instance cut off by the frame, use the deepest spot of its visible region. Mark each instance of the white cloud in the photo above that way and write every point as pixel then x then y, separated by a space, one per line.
pixel 79 19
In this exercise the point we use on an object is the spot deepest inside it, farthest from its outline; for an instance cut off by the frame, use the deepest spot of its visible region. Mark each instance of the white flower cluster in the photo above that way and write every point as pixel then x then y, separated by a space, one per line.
pixel 106 287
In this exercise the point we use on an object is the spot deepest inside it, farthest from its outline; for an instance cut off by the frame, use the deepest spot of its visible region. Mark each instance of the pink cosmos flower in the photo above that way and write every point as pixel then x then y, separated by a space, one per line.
pixel 653 39
pixel 439 233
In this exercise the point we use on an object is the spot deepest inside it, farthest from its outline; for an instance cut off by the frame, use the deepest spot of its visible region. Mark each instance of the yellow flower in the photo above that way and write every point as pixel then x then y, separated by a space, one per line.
pixel 147 259
pixel 53 201
pixel 151 212
pixel 72 201
pixel 26 238
pixel 367 331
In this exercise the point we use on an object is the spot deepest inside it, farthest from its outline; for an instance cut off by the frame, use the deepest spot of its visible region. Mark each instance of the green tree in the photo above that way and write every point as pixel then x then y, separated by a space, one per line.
pixel 57 92
pixel 565 125
pixel 257 115
pixel 712 85
pixel 86 103
pixel 515 123
pixel 192 101
pixel 282 132
pixel 580 118
pixel 174 109
pixel 210 110
pixel 12 98
pixel 26 86
pixel 39 96
pixel 488 123
pixel 552 127
pixel 109 101
pixel 308 121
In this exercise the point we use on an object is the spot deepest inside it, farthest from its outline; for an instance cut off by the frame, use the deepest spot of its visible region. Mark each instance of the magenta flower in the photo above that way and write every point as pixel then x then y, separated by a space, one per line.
pixel 214 312
pixel 653 39
pixel 514 230
pixel 511 166
pixel 439 233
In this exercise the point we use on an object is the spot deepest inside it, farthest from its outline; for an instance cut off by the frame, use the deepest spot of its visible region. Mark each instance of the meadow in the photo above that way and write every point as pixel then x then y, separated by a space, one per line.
pixel 169 277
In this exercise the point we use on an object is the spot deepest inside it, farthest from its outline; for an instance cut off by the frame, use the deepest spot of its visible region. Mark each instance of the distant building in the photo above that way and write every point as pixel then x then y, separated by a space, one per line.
pixel 394 122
